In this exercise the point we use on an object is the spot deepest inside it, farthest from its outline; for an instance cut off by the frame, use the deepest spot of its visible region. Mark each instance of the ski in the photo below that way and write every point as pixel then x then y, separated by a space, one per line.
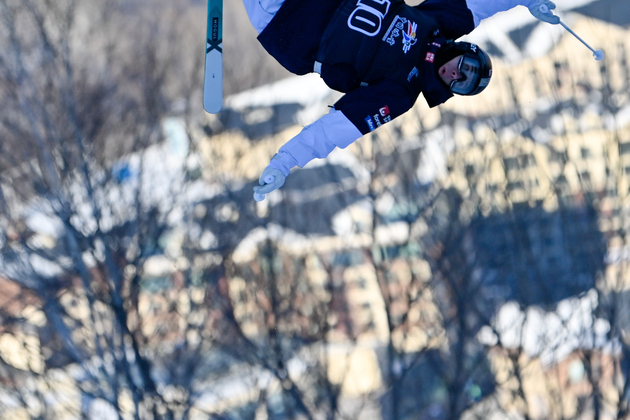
pixel 213 74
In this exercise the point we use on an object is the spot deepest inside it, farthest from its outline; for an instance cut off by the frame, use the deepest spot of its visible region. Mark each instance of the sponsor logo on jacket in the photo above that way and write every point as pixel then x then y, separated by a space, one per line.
pixel 401 26
pixel 409 37
pixel 413 73
pixel 383 116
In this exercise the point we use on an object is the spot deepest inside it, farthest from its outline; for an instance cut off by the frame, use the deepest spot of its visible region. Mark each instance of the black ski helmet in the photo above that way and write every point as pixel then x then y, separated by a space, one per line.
pixel 474 64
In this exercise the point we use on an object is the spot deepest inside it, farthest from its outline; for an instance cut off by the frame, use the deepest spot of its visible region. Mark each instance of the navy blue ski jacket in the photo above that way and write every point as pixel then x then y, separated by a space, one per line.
pixel 379 52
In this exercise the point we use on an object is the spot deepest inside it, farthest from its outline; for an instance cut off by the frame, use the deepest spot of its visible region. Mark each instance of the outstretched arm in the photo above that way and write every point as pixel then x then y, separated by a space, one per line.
pixel 483 9
pixel 314 141
pixel 357 113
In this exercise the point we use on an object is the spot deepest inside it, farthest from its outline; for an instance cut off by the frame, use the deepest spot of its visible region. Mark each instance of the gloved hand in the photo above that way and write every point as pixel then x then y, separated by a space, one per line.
pixel 543 11
pixel 270 180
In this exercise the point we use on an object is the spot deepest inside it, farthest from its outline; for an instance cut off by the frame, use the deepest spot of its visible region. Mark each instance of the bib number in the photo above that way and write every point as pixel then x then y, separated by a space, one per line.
pixel 368 16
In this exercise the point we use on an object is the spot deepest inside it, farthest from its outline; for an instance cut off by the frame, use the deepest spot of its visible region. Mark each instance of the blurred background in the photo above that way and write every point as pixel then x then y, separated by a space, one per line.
pixel 462 262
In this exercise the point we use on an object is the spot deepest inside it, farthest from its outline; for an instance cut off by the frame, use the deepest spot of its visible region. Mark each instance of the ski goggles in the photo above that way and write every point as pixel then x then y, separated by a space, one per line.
pixel 468 67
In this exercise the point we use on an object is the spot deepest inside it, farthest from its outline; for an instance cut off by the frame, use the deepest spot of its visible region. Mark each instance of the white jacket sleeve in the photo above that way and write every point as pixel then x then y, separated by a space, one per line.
pixel 316 141
pixel 483 9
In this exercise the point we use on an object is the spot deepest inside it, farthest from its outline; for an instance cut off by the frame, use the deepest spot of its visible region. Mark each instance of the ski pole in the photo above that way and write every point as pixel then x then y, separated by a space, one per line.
pixel 598 54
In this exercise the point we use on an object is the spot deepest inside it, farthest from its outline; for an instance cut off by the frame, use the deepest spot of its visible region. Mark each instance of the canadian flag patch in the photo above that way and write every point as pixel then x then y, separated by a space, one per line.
pixel 430 57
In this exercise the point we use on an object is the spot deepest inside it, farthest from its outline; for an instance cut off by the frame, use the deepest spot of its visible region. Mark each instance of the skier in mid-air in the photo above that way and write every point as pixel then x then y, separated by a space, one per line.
pixel 381 53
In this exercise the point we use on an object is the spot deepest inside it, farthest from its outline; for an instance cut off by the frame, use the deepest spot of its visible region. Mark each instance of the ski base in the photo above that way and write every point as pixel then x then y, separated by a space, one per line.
pixel 213 74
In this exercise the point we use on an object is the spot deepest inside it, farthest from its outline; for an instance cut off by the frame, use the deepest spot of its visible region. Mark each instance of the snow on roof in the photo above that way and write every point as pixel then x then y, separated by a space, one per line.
pixel 309 91
pixel 550 335
pixel 304 90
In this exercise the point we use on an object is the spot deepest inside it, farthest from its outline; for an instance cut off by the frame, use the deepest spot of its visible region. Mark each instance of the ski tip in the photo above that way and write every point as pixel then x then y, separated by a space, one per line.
pixel 213 108
pixel 213 99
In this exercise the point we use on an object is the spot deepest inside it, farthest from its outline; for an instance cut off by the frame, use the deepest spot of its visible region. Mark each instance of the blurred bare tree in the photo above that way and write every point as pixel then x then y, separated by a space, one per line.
pixel 88 328
pixel 246 63
pixel 84 84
